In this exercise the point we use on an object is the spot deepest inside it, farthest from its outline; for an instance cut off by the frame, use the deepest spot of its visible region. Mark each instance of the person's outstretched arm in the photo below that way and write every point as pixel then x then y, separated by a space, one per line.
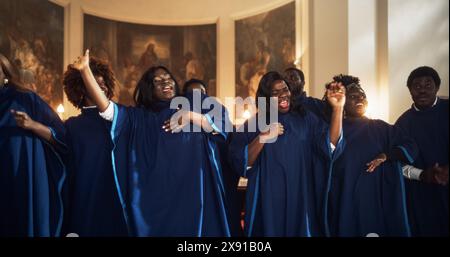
pixel 336 98
pixel 92 87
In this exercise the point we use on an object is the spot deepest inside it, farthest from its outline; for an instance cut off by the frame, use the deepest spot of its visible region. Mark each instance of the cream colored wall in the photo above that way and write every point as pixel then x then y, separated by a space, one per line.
pixel 387 40
pixel 368 56
pixel 362 42
pixel 328 42
pixel 418 35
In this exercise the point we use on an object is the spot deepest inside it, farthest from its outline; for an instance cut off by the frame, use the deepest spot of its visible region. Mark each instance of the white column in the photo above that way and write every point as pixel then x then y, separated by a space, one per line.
pixel 226 60
pixel 73 43
pixel 329 42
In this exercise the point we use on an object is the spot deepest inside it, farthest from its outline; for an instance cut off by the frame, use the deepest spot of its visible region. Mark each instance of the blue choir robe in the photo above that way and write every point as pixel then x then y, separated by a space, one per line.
pixel 428 203
pixel 169 184
pixel 359 202
pixel 234 198
pixel 280 198
pixel 32 172
pixel 220 146
pixel 93 206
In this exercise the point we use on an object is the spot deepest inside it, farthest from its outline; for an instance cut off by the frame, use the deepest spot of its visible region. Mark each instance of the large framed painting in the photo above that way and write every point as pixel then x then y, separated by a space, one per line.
pixel 264 42
pixel 32 37
pixel 187 51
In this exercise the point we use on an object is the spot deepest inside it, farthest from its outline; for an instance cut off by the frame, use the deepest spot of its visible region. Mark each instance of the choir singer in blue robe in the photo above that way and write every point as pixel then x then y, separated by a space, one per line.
pixel 280 198
pixel 169 183
pixel 427 184
pixel 31 169
pixel 93 206
pixel 365 191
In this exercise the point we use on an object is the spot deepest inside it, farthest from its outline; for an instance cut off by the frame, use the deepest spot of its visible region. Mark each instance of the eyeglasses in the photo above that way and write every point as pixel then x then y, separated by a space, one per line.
pixel 162 79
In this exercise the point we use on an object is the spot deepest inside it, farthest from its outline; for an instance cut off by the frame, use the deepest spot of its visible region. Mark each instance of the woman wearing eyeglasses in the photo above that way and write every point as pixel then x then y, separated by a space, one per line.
pixel 169 183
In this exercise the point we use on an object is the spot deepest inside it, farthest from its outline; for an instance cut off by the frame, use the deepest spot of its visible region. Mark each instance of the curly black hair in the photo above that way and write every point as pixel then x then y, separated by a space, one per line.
pixel 346 79
pixel 298 71
pixel 74 86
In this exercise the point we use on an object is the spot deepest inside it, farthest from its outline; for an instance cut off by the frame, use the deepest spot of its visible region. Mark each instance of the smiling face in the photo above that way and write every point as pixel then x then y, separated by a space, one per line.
pixel 356 103
pixel 423 92
pixel 164 85
pixel 281 91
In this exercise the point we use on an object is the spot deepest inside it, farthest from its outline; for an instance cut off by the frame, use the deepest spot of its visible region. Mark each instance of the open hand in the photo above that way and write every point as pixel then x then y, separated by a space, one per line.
pixel 336 95
pixel 23 120
pixel 376 162
pixel 81 62
pixel 275 130
pixel 178 121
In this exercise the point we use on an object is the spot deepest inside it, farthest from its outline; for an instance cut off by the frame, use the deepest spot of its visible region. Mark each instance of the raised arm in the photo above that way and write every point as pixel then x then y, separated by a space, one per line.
pixel 92 87
pixel 336 98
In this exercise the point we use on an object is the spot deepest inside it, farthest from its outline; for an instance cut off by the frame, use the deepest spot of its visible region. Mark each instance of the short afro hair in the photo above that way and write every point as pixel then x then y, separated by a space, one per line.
pixel 424 71
pixel 74 86
pixel 298 71
pixel 191 82
pixel 346 80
